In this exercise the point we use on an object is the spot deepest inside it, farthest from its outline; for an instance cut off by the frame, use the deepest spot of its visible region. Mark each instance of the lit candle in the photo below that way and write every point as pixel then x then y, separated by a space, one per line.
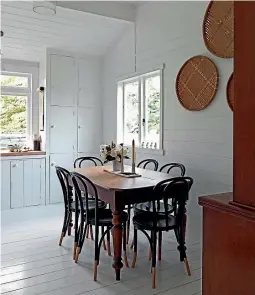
pixel 133 156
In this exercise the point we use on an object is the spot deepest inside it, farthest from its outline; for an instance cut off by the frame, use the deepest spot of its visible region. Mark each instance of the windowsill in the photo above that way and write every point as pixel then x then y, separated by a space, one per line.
pixel 141 150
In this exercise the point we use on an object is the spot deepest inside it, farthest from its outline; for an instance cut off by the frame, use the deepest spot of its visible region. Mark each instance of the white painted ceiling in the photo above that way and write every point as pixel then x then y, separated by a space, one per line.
pixel 28 34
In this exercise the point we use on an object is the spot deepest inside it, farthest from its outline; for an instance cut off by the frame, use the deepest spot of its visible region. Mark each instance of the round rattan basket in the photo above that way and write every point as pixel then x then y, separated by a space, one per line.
pixel 197 83
pixel 218 28
pixel 230 92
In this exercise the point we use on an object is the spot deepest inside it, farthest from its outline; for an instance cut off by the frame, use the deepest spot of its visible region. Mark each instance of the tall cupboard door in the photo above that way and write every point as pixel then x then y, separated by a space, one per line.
pixel 64 80
pixel 17 184
pixel 89 130
pixel 89 82
pixel 63 130
pixel 65 161
pixel 5 185
pixel 32 182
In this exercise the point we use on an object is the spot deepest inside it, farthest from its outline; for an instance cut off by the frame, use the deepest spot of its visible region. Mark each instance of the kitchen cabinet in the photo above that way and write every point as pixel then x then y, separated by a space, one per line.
pixel 89 123
pixel 17 184
pixel 62 130
pixel 89 82
pixel 22 182
pixel 66 161
pixel 73 121
pixel 5 185
pixel 63 79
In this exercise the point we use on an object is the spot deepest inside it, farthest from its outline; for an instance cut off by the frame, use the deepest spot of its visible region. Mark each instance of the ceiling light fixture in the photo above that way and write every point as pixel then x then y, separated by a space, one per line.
pixel 45 7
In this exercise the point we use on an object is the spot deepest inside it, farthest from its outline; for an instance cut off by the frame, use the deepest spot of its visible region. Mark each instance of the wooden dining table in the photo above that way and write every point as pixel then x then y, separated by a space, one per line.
pixel 119 191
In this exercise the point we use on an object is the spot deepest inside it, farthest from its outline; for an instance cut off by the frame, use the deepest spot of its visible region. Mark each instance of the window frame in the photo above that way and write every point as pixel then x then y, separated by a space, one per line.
pixel 21 91
pixel 140 78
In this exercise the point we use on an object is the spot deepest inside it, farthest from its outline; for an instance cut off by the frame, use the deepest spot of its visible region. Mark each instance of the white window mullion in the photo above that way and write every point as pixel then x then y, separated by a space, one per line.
pixel 140 112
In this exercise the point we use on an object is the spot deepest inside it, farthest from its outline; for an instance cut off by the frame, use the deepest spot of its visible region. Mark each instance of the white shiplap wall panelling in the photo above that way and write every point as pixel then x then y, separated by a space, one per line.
pixel 170 33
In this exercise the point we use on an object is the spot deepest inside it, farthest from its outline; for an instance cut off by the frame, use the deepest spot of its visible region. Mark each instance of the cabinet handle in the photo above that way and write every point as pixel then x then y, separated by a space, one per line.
pixel 79 127
pixel 52 126
pixel 14 165
pixel 52 164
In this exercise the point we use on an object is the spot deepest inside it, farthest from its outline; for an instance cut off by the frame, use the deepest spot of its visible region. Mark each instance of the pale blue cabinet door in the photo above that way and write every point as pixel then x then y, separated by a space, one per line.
pixel 5 185
pixel 32 182
pixel 65 161
pixel 17 184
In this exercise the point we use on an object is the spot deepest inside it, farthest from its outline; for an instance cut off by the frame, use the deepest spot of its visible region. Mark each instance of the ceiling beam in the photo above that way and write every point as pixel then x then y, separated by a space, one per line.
pixel 119 10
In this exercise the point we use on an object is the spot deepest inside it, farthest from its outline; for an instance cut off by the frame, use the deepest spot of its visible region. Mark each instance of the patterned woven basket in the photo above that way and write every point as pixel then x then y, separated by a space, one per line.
pixel 197 83
pixel 230 92
pixel 218 28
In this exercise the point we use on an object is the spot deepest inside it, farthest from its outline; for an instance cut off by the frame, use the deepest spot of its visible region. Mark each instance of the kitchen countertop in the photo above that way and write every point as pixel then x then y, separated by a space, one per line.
pixel 6 153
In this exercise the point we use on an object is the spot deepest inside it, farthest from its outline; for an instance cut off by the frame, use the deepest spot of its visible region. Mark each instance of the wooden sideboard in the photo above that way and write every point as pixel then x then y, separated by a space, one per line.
pixel 229 219
pixel 228 247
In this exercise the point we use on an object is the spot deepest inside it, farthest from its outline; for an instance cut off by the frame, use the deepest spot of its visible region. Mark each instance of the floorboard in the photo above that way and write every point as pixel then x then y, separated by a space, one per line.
pixel 32 262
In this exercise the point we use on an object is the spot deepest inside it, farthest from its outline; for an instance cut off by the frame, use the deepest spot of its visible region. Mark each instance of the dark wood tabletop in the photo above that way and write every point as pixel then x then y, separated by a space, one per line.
pixel 114 182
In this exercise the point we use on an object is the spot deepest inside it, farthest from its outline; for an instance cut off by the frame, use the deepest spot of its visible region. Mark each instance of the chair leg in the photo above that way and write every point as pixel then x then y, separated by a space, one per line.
pixel 81 241
pixel 125 245
pixel 97 251
pixel 187 266
pixel 102 232
pixel 154 258
pixel 128 224
pixel 95 270
pixel 150 254
pixel 91 232
pixel 108 237
pixel 132 245
pixel 76 233
pixel 135 248
pixel 64 228
pixel 159 245
pixel 70 224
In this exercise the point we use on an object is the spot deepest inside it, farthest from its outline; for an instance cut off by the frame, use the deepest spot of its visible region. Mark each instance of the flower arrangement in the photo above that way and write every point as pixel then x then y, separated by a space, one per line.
pixel 112 152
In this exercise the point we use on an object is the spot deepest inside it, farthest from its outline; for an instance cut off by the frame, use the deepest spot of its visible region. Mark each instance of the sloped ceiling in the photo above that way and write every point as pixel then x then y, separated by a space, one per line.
pixel 27 34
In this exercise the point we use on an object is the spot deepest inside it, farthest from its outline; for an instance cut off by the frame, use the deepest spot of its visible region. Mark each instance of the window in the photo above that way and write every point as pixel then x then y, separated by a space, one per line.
pixel 14 107
pixel 140 110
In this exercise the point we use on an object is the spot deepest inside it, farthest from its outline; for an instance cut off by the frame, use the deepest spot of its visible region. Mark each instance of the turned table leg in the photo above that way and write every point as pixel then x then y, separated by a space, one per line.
pixel 117 243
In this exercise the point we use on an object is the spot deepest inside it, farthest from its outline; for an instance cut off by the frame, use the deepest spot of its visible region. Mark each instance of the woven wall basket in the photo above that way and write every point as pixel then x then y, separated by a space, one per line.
pixel 197 83
pixel 230 92
pixel 218 28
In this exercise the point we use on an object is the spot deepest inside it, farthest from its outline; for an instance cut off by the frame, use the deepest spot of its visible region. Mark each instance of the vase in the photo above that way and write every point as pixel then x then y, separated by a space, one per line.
pixel 116 166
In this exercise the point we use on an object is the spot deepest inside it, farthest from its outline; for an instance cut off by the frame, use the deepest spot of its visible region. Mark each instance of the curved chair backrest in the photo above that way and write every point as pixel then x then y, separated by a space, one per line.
pixel 177 189
pixel 144 163
pixel 84 189
pixel 171 166
pixel 64 177
pixel 93 160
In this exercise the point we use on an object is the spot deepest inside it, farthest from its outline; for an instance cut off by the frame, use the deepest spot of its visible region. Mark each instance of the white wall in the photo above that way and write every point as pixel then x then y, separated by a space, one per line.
pixel 171 33
pixel 29 68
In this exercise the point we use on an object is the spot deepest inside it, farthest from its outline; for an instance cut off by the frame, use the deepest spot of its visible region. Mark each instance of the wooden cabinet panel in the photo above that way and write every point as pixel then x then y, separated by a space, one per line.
pixel 63 77
pixel 63 130
pixel 89 130
pixel 89 82
pixel 17 184
pixel 5 185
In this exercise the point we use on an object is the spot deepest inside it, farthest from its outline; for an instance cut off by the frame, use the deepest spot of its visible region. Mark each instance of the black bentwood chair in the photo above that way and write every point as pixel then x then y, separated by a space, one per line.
pixel 93 160
pixel 146 206
pixel 149 163
pixel 170 166
pixel 96 216
pixel 67 190
pixel 175 188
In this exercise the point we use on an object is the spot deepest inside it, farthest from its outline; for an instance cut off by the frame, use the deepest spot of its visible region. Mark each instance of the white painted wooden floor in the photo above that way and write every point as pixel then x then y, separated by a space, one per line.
pixel 33 263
